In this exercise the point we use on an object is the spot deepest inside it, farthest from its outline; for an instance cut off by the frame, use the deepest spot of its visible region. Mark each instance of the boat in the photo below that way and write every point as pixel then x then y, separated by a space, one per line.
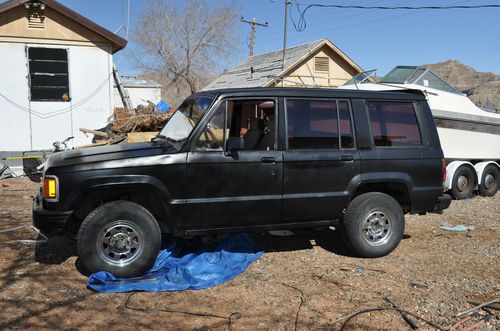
pixel 469 135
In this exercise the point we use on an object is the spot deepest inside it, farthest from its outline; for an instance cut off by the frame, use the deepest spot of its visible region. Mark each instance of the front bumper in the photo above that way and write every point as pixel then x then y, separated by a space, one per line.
pixel 443 202
pixel 49 221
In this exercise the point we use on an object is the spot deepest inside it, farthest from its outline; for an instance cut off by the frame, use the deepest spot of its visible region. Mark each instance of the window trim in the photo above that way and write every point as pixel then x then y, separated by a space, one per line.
pixel 416 118
pixel 211 113
pixel 195 148
pixel 337 100
pixel 30 96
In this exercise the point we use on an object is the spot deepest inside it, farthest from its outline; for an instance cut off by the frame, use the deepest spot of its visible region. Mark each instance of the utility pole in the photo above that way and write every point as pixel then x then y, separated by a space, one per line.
pixel 284 34
pixel 253 24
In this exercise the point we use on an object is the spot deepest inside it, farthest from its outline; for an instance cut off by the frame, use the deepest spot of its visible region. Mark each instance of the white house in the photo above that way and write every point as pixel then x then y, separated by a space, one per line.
pixel 140 91
pixel 55 74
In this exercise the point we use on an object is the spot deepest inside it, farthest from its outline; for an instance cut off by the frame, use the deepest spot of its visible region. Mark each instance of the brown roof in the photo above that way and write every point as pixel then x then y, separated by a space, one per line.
pixel 117 42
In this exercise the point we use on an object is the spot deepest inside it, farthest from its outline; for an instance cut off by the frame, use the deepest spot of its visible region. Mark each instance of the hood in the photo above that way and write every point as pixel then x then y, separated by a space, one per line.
pixel 106 153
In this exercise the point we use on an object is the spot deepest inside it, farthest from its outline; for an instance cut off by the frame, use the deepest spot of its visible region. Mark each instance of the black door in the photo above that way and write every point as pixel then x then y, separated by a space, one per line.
pixel 238 189
pixel 320 159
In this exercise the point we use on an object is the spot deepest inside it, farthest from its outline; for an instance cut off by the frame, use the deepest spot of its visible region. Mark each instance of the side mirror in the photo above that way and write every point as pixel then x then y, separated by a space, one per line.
pixel 235 144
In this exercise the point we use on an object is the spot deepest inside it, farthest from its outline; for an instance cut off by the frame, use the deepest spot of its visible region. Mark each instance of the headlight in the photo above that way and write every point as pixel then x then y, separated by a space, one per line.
pixel 50 188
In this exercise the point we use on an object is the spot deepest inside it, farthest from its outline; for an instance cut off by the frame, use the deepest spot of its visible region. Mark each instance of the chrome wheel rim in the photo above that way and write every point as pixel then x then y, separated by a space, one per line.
pixel 463 183
pixel 377 228
pixel 489 181
pixel 120 243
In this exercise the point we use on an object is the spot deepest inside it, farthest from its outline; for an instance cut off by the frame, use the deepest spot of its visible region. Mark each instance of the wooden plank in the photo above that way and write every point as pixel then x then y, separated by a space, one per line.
pixel 136 137
pixel 95 132
pixel 100 143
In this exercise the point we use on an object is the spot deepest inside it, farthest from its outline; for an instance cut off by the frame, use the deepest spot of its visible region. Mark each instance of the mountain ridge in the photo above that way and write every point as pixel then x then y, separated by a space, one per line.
pixel 483 88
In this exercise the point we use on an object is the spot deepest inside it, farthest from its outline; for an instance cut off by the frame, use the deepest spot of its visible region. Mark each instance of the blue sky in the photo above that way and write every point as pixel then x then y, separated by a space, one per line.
pixel 373 38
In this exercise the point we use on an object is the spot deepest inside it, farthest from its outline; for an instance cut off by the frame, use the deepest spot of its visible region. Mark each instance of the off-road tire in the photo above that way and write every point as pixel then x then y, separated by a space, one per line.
pixel 457 192
pixel 489 170
pixel 364 209
pixel 107 219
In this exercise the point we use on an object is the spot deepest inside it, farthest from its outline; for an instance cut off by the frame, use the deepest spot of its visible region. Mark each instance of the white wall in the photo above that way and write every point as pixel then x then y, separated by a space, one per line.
pixel 91 102
pixel 14 123
pixel 138 95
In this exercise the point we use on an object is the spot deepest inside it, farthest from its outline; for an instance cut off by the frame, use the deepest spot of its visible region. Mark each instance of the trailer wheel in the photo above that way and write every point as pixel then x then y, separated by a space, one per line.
pixel 463 183
pixel 490 180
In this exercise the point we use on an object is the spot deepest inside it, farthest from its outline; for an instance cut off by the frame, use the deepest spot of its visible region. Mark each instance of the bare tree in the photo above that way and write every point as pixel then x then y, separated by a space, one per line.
pixel 184 43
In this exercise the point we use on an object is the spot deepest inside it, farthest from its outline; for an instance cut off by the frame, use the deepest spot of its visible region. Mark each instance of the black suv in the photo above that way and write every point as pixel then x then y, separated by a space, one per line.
pixel 251 159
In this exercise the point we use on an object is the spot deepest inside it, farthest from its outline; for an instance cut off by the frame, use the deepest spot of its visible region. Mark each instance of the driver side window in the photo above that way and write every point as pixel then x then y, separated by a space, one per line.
pixel 213 136
pixel 253 120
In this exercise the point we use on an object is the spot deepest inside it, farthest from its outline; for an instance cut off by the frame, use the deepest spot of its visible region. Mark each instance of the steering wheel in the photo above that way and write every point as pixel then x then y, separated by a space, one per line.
pixel 213 138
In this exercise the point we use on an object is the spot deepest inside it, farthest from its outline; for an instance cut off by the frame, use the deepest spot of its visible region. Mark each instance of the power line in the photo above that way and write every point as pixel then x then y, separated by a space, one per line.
pixel 128 20
pixel 302 23
pixel 341 27
pixel 334 19
pixel 271 36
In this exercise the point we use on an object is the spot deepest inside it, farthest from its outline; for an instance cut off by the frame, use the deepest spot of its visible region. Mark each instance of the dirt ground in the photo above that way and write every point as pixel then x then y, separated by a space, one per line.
pixel 304 282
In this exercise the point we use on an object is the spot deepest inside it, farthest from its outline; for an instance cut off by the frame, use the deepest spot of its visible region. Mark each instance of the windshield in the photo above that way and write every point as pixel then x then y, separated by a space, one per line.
pixel 419 76
pixel 361 77
pixel 399 75
pixel 185 119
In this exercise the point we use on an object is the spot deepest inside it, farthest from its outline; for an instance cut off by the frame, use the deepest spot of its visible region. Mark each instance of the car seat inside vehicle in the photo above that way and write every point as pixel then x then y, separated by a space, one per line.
pixel 254 121
pixel 254 133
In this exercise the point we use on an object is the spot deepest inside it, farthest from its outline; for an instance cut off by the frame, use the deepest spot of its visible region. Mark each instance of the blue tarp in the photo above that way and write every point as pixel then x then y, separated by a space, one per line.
pixel 187 265
pixel 162 107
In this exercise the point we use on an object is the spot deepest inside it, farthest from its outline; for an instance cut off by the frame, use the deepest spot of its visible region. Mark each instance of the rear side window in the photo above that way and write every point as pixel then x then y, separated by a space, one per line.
pixel 319 124
pixel 312 124
pixel 394 124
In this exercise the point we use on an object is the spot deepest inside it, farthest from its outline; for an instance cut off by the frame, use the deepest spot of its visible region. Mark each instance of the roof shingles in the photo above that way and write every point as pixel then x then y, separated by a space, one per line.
pixel 266 67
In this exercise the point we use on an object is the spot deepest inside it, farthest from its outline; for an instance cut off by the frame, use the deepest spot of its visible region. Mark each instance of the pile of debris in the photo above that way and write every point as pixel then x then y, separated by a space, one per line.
pixel 140 124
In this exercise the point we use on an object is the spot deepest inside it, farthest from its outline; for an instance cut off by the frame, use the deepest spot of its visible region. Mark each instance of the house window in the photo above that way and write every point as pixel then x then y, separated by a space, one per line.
pixel 321 64
pixel 48 69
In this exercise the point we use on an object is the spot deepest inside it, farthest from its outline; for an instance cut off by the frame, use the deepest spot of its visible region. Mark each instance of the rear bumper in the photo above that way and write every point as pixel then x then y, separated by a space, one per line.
pixel 443 202
pixel 49 221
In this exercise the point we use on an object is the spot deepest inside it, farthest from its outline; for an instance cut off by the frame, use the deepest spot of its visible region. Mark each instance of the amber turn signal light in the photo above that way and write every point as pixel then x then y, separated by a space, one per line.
pixel 49 188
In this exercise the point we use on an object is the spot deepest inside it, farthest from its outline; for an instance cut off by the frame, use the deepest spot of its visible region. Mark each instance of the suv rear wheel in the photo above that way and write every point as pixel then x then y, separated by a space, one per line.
pixel 120 237
pixel 373 225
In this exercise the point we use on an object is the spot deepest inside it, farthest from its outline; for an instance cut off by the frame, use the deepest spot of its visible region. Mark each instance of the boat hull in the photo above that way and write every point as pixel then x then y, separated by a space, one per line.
pixel 469 145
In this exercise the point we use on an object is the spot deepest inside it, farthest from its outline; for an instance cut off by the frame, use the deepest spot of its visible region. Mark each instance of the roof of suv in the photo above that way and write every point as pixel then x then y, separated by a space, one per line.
pixel 315 92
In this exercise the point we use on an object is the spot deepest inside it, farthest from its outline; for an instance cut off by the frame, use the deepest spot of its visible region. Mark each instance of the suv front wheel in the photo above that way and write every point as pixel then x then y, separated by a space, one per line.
pixel 373 225
pixel 120 237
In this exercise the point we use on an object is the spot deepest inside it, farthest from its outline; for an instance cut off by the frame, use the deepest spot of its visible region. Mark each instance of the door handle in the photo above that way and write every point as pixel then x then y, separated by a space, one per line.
pixel 268 160
pixel 347 158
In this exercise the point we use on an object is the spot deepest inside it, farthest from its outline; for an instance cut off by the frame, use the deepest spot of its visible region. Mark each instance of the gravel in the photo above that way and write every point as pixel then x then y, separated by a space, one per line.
pixel 306 281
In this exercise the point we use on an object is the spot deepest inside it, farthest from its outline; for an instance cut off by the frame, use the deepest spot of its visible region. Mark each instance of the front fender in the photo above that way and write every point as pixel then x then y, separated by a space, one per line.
pixel 118 182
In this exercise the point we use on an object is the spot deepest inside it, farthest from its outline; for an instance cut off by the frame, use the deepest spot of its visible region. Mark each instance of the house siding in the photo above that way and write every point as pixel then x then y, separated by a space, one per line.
pixel 305 75
pixel 90 82
pixel 29 125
